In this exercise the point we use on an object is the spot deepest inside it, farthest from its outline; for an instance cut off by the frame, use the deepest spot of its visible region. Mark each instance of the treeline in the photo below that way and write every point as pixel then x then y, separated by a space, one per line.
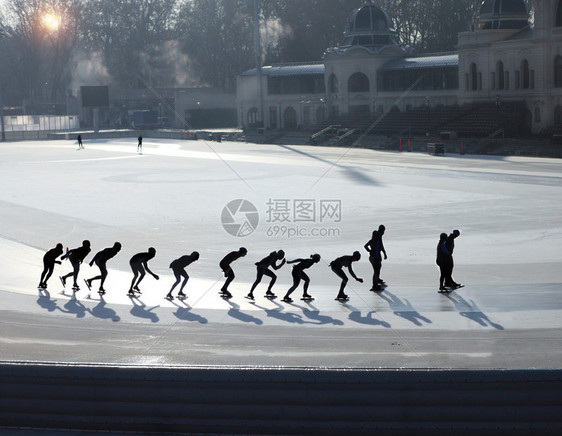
pixel 48 48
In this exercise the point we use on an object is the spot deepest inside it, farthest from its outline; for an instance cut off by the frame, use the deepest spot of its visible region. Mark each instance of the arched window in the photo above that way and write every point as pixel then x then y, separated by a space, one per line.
pixel 290 118
pixel 500 75
pixel 333 84
pixel 559 14
pixel 558 72
pixel 358 82
pixel 253 117
pixel 473 77
pixel 525 74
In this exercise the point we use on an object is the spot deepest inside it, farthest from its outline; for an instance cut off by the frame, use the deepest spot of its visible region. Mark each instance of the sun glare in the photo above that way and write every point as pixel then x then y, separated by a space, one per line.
pixel 51 22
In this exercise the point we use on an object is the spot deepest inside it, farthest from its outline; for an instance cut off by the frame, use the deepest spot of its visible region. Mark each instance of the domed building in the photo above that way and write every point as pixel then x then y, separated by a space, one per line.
pixel 508 59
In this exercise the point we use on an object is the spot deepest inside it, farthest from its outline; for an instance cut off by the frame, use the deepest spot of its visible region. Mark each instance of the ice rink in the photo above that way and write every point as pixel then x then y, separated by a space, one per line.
pixel 307 199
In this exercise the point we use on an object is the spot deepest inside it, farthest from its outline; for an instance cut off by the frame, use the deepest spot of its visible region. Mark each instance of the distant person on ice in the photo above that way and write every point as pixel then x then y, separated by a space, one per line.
pixel 450 243
pixel 139 145
pixel 76 257
pixel 139 266
pixel 80 145
pixel 299 274
pixel 178 268
pixel 224 265
pixel 100 259
pixel 337 267
pixel 444 261
pixel 375 247
pixel 49 261
pixel 263 269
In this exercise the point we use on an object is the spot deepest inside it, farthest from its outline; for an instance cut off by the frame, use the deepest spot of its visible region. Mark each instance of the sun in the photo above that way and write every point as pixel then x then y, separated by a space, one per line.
pixel 51 22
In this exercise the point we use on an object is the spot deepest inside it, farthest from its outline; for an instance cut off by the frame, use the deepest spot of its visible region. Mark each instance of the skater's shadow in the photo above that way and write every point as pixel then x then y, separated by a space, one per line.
pixel 184 313
pixel 101 311
pixel 278 313
pixel 236 313
pixel 312 313
pixel 140 310
pixel 74 306
pixel 472 311
pixel 45 301
pixel 403 308
pixel 356 316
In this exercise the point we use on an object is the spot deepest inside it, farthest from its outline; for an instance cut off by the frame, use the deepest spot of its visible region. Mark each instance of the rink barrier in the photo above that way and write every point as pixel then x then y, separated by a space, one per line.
pixel 278 400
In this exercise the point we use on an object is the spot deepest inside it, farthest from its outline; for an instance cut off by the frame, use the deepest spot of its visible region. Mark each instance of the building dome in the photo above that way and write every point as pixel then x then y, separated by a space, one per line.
pixel 369 26
pixel 503 14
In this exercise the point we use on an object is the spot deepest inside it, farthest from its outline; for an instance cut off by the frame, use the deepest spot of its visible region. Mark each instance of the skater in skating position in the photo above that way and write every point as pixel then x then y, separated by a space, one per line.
pixel 450 244
pixel 444 261
pixel 299 274
pixel 139 145
pixel 100 259
pixel 375 247
pixel 49 261
pixel 178 268
pixel 337 267
pixel 227 269
pixel 80 145
pixel 263 269
pixel 139 265
pixel 76 257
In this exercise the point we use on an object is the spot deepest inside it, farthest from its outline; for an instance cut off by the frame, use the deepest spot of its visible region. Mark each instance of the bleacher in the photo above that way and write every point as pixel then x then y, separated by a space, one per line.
pixel 479 120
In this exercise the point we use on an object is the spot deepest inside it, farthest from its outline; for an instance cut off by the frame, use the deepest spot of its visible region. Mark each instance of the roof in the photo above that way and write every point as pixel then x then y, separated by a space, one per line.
pixel 288 70
pixel 438 61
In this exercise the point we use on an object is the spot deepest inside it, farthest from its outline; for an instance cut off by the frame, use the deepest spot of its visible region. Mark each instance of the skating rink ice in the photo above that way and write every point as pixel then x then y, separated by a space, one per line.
pixel 308 200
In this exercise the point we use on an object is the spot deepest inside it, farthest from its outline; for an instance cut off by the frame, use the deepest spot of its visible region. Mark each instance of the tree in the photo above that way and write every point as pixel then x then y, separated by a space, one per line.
pixel 130 34
pixel 219 38
pixel 42 38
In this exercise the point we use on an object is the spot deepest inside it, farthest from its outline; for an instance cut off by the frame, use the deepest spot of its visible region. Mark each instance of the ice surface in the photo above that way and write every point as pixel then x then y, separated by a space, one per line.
pixel 172 198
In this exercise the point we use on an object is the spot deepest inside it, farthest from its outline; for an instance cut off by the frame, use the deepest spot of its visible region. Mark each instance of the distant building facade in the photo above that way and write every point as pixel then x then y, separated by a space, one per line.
pixel 502 58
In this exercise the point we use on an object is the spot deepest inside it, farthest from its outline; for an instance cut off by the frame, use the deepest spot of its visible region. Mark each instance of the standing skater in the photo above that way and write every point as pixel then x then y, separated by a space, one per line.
pixel 139 145
pixel 227 269
pixel 444 261
pixel 178 267
pixel 450 243
pixel 49 261
pixel 337 267
pixel 100 259
pixel 139 265
pixel 263 269
pixel 80 145
pixel 375 247
pixel 299 274
pixel 76 257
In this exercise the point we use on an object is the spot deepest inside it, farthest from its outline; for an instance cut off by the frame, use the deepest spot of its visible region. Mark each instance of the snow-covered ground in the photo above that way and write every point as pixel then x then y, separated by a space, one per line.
pixel 174 197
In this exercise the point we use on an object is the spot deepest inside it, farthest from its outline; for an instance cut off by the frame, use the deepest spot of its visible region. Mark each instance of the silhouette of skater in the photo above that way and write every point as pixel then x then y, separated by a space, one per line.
pixel 263 269
pixel 450 244
pixel 444 261
pixel 337 267
pixel 299 274
pixel 178 267
pixel 227 269
pixel 76 257
pixel 49 261
pixel 139 265
pixel 80 145
pixel 375 247
pixel 100 259
pixel 139 146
